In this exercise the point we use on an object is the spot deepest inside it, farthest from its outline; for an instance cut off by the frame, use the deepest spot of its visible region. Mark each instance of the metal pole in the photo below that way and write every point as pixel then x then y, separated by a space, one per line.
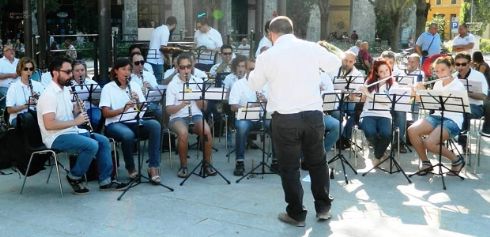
pixel 41 25
pixel 104 7
pixel 27 27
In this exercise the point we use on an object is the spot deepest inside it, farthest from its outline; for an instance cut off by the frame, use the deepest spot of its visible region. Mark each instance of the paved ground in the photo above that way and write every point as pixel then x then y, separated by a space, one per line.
pixel 378 204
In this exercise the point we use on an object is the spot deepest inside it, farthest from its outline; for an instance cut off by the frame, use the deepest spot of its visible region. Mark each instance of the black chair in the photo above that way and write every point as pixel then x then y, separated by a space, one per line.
pixel 33 145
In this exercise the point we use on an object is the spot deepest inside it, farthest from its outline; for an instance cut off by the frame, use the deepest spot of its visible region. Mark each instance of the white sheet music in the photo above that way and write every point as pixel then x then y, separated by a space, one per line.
pixel 154 96
pixel 431 100
pixel 330 102
pixel 403 100
pixel 406 81
pixel 216 93
pixel 472 85
pixel 130 115
pixel 251 113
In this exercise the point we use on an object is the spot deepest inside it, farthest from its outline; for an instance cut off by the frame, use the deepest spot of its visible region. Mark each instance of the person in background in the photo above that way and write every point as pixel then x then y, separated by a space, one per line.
pixel 8 68
pixel 429 43
pixel 265 42
pixel 158 40
pixel 464 41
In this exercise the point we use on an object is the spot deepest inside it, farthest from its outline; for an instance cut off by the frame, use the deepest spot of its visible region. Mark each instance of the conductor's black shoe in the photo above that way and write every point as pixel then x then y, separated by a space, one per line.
pixel 210 171
pixel 114 186
pixel 284 217
pixel 239 169
pixel 275 167
pixel 323 216
pixel 77 185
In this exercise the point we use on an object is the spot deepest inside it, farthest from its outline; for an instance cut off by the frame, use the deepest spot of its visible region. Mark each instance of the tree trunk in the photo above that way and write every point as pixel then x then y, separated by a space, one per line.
pixel 421 13
pixel 395 39
pixel 323 6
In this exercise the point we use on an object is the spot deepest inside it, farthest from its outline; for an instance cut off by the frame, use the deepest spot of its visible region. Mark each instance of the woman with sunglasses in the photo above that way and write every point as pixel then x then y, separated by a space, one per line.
pixel 430 127
pixel 83 85
pixel 118 97
pixel 22 95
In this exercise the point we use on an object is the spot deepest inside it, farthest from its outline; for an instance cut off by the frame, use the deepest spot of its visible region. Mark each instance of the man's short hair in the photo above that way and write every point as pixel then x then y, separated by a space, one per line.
pixel 226 46
pixel 237 60
pixel 281 24
pixel 415 56
pixel 183 56
pixel 358 43
pixel 388 54
pixel 464 55
pixel 171 20
pixel 57 63
pixel 134 54
pixel 348 52
pixel 203 21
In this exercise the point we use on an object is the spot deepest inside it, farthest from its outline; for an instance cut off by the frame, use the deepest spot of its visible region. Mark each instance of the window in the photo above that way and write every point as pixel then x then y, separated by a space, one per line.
pixel 453 2
pixel 148 13
pixel 438 2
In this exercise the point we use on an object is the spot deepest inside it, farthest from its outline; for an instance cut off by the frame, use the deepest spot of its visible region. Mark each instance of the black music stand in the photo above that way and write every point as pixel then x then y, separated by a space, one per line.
pixel 129 116
pixel 447 103
pixel 255 113
pixel 89 93
pixel 198 91
pixel 394 101
pixel 330 101
pixel 405 81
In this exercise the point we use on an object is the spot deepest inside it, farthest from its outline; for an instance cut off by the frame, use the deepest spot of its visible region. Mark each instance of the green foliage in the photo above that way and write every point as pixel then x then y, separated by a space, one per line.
pixel 485 45
pixel 441 23
pixel 299 12
pixel 481 13
pixel 86 16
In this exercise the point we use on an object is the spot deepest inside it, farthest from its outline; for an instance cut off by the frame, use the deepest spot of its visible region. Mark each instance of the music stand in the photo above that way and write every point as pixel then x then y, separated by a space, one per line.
pixel 254 113
pixel 198 91
pixel 407 82
pixel 129 116
pixel 395 101
pixel 332 102
pixel 444 103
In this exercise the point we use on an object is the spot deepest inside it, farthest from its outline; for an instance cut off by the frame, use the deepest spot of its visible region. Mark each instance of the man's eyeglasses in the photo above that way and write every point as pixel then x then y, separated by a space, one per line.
pixel 183 67
pixel 137 63
pixel 66 71
pixel 28 69
pixel 461 64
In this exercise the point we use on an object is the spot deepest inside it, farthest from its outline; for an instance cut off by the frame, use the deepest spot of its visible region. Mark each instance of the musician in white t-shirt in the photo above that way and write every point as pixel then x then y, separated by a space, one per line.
pixel 209 38
pixel 159 39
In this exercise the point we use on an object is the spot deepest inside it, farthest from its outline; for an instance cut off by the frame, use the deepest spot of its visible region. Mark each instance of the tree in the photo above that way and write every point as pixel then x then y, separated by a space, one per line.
pixel 481 12
pixel 392 10
pixel 421 12
pixel 299 12
pixel 324 6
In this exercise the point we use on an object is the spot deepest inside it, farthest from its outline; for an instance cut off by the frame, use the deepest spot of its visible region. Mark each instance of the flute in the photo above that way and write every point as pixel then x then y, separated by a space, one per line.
pixel 434 81
pixel 379 81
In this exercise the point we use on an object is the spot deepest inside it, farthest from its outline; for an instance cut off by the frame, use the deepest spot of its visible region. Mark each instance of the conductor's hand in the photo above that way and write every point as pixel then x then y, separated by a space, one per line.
pixel 81 118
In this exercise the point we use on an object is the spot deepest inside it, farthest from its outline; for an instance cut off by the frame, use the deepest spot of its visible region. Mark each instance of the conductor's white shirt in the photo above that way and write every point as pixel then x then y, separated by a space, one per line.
pixel 19 93
pixel 114 97
pixel 292 70
pixel 174 96
pixel 55 100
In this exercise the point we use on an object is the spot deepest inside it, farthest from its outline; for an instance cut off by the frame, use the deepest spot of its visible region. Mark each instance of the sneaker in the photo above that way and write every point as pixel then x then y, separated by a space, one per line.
pixel 275 166
pixel 210 171
pixel 114 186
pixel 77 185
pixel 183 172
pixel 239 169
pixel 323 216
pixel 284 217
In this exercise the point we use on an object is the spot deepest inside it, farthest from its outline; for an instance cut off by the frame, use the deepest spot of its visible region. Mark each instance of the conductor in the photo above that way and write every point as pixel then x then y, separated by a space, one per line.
pixel 292 69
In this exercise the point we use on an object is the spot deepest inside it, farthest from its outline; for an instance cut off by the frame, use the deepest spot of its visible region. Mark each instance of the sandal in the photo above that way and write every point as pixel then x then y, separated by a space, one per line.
pixel 457 166
pixel 154 179
pixel 132 174
pixel 183 172
pixel 425 169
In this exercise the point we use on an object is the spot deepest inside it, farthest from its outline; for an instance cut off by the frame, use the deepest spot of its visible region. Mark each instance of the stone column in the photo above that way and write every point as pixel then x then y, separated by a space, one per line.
pixel 269 8
pixel 363 19
pixel 179 10
pixel 130 20
pixel 189 16
pixel 313 31
pixel 225 27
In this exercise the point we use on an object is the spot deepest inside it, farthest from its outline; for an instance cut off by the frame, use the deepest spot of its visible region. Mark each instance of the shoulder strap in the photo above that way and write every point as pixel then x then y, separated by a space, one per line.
pixel 433 37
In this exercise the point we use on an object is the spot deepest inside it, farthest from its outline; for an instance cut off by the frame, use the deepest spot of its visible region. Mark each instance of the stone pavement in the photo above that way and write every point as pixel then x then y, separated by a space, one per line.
pixel 378 204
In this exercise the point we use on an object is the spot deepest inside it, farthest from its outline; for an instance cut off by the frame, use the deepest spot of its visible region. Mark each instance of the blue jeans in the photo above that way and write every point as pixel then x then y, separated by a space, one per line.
pixel 87 148
pixel 243 128
pixel 95 115
pixel 378 133
pixel 157 71
pixel 349 110
pixel 156 111
pixel 126 134
pixel 331 131
pixel 401 123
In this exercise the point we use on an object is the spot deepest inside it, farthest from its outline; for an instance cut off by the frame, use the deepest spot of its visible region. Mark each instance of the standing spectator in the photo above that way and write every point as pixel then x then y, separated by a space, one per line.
pixel 159 39
pixel 244 47
pixel 429 42
pixel 355 49
pixel 210 39
pixel 354 37
pixel 464 41
pixel 8 67
pixel 71 52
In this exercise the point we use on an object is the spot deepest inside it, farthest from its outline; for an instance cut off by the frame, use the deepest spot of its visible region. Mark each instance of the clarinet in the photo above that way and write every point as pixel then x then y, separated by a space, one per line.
pixel 33 94
pixel 81 105
pixel 143 88
pixel 188 90
pixel 131 98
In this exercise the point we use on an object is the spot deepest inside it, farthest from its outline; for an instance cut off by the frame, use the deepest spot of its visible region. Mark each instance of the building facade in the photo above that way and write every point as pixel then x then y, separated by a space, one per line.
pixel 449 10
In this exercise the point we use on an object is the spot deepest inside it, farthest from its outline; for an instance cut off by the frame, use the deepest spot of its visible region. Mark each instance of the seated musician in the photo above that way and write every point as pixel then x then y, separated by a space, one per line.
pixel 80 78
pixel 413 69
pixel 208 38
pixel 332 132
pixel 240 96
pixel 226 54
pixel 58 119
pixel 348 69
pixel 171 72
pixel 376 124
pixel 120 96
pixel 134 48
pixel 146 81
pixel 431 125
pixel 183 113
pixel 462 62
pixel 238 70
pixel 23 93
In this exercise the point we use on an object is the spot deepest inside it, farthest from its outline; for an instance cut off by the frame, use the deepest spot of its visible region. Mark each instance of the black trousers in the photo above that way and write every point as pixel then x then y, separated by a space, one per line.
pixel 293 134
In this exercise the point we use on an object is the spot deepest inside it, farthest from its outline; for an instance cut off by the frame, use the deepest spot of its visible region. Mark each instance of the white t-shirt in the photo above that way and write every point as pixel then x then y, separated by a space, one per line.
pixel 211 39
pixel 55 100
pixel 114 97
pixel 263 42
pixel 455 85
pixel 83 91
pixel 19 93
pixel 241 93
pixel 477 76
pixel 147 76
pixel 416 74
pixel 368 104
pixel 214 68
pixel 46 78
pixel 229 81
pixel 174 96
pixel 159 37
pixel 243 49
pixel 168 72
pixel 469 38
pixel 354 49
pixel 7 67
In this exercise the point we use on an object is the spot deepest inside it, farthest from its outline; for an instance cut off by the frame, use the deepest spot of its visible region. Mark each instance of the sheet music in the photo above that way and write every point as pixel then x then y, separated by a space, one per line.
pixel 403 100
pixel 431 100
pixel 251 113
pixel 340 83
pixel 154 96
pixel 406 81
pixel 472 85
pixel 130 115
pixel 216 93
pixel 330 102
